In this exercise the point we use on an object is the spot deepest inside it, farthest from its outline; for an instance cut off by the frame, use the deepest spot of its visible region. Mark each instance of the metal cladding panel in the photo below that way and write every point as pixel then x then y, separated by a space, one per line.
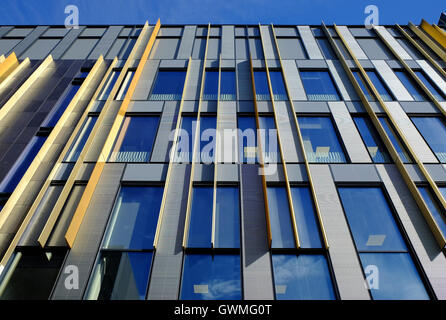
pixel 228 43
pixel 40 49
pixel 192 89
pixel 149 172
pixel 167 265
pixel 268 42
pixel 106 42
pixel 393 43
pixel 351 41
pixel 310 42
pixel 431 73
pixel 292 152
pixel 66 42
pixel 341 80
pixel 356 149
pixel 392 81
pixel 292 77
pixel 29 40
pixel 256 261
pixel 227 134
pixel 354 173
pixel 244 82
pixel 164 137
pixel 345 262
pixel 145 83
pixel 6 45
pixel 80 49
pixel 187 42
pixel 88 240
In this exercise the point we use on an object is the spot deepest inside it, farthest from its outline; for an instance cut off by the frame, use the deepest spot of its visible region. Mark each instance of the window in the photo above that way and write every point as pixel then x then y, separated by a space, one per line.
pixel 411 86
pixel 207 139
pixel 81 138
pixel 381 245
pixel 247 140
pixel 372 140
pixel 227 218
pixel 279 91
pixel 431 86
pixel 320 140
pixel 399 147
pixel 168 85
pixel 134 142
pixel 200 226
pixel 319 86
pixel 185 143
pixel 107 88
pixel 326 49
pixel 125 85
pixel 433 206
pixel 60 108
pixel 210 85
pixel 31 275
pixel 364 88
pixel 269 140
pixel 380 87
pixel 281 225
pixel 261 86
pixel 434 132
pixel 227 85
pixel 302 277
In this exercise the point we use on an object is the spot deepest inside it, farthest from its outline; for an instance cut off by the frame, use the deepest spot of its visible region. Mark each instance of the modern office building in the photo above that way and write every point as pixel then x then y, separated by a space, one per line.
pixel 223 162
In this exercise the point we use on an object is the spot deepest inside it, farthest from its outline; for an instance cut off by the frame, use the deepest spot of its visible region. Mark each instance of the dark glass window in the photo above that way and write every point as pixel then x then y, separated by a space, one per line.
pixel 227 218
pixel 210 85
pixel 280 219
pixel 434 208
pixel 125 85
pixel 364 88
pixel 55 115
pixel 134 142
pixel 411 86
pixel 269 140
pixel 380 86
pixel 200 225
pixel 326 49
pixel 168 85
pixel 431 86
pixel 321 142
pixel 247 141
pixel 19 168
pixel 228 85
pixel 400 149
pixel 107 88
pixel 81 138
pixel 434 132
pixel 372 140
pixel 302 277
pixel 261 83
pixel 278 86
pixel 211 277
pixel 319 86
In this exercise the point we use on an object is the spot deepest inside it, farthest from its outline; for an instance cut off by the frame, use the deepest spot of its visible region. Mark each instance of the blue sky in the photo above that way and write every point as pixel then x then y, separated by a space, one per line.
pixel 219 11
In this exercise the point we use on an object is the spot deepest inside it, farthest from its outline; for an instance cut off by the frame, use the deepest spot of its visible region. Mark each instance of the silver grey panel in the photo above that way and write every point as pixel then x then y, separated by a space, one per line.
pixel 192 89
pixel 268 42
pixel 431 73
pixel 354 46
pixel 228 44
pixel 244 82
pixel 354 173
pixel 106 42
pixel 289 140
pixel 227 172
pixel 150 172
pixel 310 42
pixel 227 151
pixel 392 42
pixel 80 49
pixel 291 48
pixel 165 48
pixel 338 80
pixel 187 42
pixel 292 78
pixel 145 82
pixel 392 81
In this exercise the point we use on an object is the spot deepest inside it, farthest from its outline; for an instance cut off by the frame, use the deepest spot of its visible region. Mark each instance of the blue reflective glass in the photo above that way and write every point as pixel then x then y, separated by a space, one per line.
pixel 135 215
pixel 269 140
pixel 319 86
pixel 321 142
pixel 105 92
pixel 60 109
pixel 433 207
pixel 373 142
pixel 200 227
pixel 247 140
pixel 302 277
pixel 207 139
pixel 228 87
pixel 282 233
pixel 397 277
pixel 432 87
pixel 207 277
pixel 210 91
pixel 19 168
pixel 227 218
pixel 364 89
pixel 135 141
pixel 261 84
pixel 380 87
pixel 326 49
pixel 168 85
pixel 121 276
pixel 411 86
pixel 79 143
pixel 185 143
pixel 278 86
pixel 371 220
pixel 400 149
pixel 434 132
pixel 307 226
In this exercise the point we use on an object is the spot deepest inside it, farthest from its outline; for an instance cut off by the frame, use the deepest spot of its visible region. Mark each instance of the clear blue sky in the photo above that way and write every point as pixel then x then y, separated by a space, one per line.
pixel 219 11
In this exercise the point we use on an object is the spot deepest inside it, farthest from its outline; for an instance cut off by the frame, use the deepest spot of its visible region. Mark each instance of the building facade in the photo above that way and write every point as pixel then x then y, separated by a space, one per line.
pixel 253 162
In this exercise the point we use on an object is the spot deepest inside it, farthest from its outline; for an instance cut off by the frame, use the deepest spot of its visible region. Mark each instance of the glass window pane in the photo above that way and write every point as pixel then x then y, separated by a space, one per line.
pixel 168 85
pixel 247 141
pixel 228 85
pixel 125 85
pixel 207 277
pixel 371 220
pixel 19 168
pixel 134 143
pixel 411 86
pixel 319 86
pixel 434 208
pixel 365 89
pixel 227 218
pixel 120 276
pixel 186 139
pixel 372 140
pixel 207 139
pixel 398 279
pixel 261 83
pixel 279 212
pixel 320 140
pixel 402 153
pixel 269 140
pixel 134 219
pixel 79 143
pixel 302 277
pixel 432 87
pixel 326 49
pixel 200 226
pixel 58 111
pixel 434 132
pixel 307 225
pixel 343 49
pixel 380 87
pixel 210 85
pixel 278 86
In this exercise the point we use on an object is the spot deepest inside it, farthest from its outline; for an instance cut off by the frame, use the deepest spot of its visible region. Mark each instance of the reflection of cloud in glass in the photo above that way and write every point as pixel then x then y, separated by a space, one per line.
pixel 222 289
pixel 289 270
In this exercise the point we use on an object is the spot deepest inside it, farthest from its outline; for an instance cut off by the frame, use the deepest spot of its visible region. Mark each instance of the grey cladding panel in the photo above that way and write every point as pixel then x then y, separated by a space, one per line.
pixel 106 42
pixel 228 42
pixel 40 49
pixel 150 172
pixel 192 90
pixel 244 82
pixel 165 48
pixel 164 137
pixel 354 173
pixel 80 49
pixel 187 42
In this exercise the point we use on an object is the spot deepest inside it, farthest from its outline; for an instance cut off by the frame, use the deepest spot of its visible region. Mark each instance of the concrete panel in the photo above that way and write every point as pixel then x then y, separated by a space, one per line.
pixel 354 46
pixel 392 81
pixel 354 173
pixel 140 172
pixel 187 42
pixel 344 259
pixel 289 140
pixel 411 133
pixel 106 42
pixel 356 149
pixel 429 254
pixel 268 42
pixel 192 90
pixel 228 42
pixel 292 78
pixel 310 42
pixel 145 83
pixel 256 260
pixel 393 43
pixel 433 75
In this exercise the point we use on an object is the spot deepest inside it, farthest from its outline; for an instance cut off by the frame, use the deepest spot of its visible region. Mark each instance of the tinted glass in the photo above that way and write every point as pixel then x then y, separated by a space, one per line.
pixel 319 86
pixel 380 87
pixel 79 143
pixel 261 83
pixel 368 94
pixel 320 140
pixel 134 219
pixel 269 140
pixel 210 85
pixel 207 277
pixel 433 206
pixel 135 141
pixel 278 85
pixel 411 86
pixel 326 49
pixel 302 277
pixel 402 153
pixel 227 218
pixel 375 146
pixel 168 85
pixel 200 227
pixel 228 85
pixel 434 132
pixel 247 139
pixel 279 212
pixel 432 88
pixel 60 109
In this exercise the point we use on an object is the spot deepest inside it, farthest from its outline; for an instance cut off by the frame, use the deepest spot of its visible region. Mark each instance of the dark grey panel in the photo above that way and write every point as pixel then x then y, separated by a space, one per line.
pixel 244 82
pixel 146 106
pixel 311 106
pixel 106 42
pixel 291 48
pixel 93 32
pixel 40 49
pixel 150 172
pixel 165 48
pixel 375 49
pixel 203 172
pixel 55 32
pixel 66 42
pixel 80 49
pixel 354 173
pixel 6 45
pixel 29 40
pixel 311 64
pixel 164 137
pixel 419 107
pixel 227 172
pixel 187 42
pixel 296 172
